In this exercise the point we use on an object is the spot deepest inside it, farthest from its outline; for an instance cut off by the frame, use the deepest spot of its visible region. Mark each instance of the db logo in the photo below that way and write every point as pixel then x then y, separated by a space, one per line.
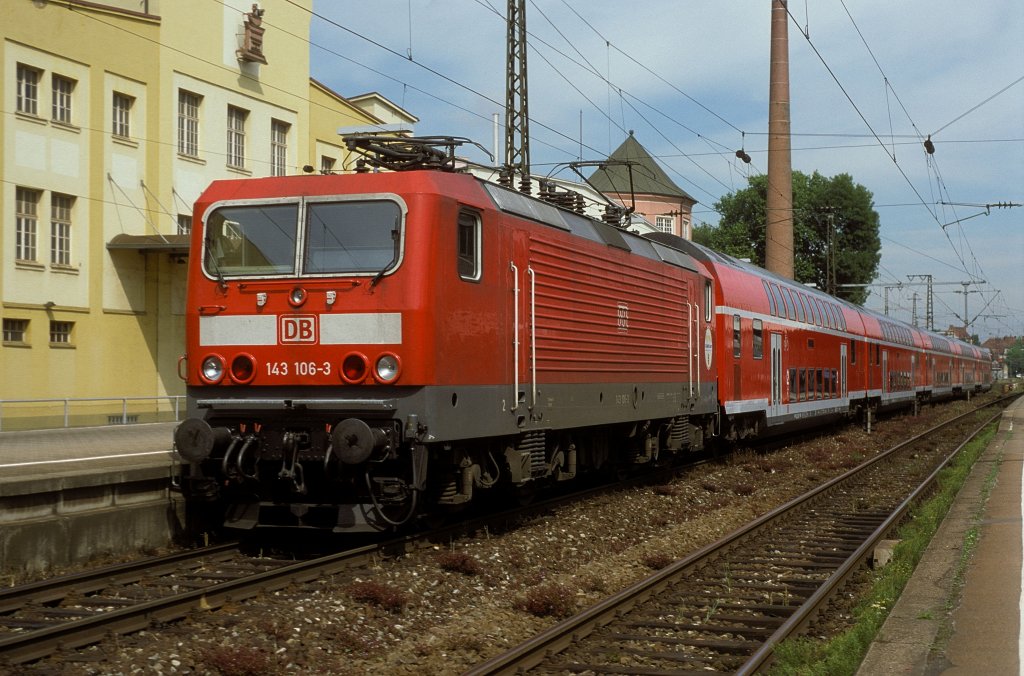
pixel 296 329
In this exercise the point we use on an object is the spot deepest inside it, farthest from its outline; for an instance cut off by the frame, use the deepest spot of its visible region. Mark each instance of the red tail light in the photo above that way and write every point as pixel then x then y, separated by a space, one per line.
pixel 354 367
pixel 243 369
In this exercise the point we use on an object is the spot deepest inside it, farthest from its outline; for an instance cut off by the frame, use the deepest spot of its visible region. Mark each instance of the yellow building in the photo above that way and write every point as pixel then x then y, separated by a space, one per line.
pixel 117 114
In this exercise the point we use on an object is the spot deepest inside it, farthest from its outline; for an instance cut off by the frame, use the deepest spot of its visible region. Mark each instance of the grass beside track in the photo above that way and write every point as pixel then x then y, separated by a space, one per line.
pixel 842 654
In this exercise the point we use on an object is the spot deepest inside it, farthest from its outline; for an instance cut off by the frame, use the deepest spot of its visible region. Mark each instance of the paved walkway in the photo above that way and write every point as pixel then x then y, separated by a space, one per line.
pixel 46 452
pixel 982 635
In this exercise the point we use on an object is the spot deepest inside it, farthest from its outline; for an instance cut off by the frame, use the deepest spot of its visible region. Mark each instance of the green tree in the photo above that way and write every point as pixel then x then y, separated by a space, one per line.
pixel 820 205
pixel 1015 358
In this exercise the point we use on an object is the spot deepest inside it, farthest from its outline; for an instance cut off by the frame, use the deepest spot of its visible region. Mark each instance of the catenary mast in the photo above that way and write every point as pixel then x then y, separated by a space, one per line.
pixel 517 118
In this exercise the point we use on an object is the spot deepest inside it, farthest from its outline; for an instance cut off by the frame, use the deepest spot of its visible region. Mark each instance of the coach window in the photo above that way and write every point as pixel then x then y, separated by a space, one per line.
pixel 779 303
pixel 737 338
pixel 803 384
pixel 771 300
pixel 790 308
pixel 853 351
pixel 708 299
pixel 469 246
pixel 758 340
pixel 801 309
pixel 819 383
pixel 794 389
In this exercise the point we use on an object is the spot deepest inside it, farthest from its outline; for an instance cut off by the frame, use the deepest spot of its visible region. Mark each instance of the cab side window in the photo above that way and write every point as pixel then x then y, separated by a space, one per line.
pixel 469 246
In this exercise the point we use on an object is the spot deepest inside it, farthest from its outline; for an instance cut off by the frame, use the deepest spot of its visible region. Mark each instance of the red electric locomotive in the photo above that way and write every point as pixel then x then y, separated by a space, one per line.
pixel 366 347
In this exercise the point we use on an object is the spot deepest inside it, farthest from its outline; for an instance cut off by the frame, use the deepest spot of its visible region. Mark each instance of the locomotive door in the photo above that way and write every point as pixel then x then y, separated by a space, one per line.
pixel 775 397
pixel 522 280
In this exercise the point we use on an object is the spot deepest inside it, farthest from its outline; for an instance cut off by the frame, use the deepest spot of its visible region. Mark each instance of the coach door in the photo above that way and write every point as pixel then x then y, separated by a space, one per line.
pixel 843 392
pixel 775 398
pixel 885 371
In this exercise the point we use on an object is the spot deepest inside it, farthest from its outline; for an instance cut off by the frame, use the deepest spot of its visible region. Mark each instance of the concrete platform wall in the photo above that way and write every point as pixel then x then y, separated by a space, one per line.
pixel 52 522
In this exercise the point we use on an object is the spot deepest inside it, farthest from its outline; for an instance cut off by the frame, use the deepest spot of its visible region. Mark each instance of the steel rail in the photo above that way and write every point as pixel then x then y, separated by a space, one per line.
pixel 555 639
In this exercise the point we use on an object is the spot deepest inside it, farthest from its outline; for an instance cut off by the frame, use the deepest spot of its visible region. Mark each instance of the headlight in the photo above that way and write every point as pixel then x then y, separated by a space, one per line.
pixel 297 296
pixel 387 368
pixel 212 369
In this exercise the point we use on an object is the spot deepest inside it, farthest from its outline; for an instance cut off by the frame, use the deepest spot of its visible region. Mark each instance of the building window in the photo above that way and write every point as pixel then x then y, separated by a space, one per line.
pixel 326 164
pixel 61 104
pixel 684 229
pixel 278 148
pixel 664 223
pixel 27 209
pixel 236 137
pixel 188 123
pixel 60 229
pixel 15 331
pixel 122 115
pixel 469 246
pixel 28 90
pixel 184 224
pixel 60 332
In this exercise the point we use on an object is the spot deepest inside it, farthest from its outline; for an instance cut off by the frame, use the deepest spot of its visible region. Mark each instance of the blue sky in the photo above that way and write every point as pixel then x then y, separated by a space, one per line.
pixel 690 77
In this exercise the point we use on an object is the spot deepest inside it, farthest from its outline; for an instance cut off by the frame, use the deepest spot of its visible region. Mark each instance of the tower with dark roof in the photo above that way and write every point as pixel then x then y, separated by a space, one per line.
pixel 657 197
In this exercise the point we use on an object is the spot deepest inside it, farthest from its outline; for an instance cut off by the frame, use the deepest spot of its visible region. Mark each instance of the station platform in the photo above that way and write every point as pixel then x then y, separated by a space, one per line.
pixel 70 495
pixel 41 453
pixel 939 627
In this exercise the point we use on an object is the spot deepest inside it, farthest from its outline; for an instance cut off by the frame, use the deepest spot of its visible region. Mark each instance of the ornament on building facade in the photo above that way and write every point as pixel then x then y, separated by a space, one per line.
pixel 252 45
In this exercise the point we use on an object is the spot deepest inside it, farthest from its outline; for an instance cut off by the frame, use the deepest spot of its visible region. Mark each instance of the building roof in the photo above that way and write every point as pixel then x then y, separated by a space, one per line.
pixel 341 100
pixel 382 103
pixel 648 176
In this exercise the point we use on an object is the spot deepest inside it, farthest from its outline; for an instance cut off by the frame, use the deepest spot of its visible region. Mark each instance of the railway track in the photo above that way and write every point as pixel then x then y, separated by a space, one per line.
pixel 76 610
pixel 725 607
pixel 40 618
pixel 73 611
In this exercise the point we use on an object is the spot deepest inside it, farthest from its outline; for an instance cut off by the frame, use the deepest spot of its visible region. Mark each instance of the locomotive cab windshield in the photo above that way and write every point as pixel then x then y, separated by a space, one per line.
pixel 339 237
